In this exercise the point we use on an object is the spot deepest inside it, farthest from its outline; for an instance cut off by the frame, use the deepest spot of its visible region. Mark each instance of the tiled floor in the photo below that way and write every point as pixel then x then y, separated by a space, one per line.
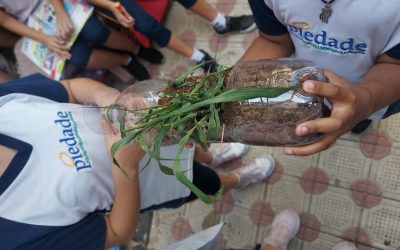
pixel 350 191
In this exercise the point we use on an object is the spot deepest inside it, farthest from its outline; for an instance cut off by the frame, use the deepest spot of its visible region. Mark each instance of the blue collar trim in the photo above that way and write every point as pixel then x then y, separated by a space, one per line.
pixel 24 151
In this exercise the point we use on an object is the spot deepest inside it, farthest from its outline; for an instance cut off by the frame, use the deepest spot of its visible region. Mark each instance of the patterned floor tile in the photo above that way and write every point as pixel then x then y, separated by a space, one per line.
pixel 201 216
pixel 386 173
pixel 344 163
pixel 381 225
pixel 375 144
pixel 257 151
pixel 356 137
pixel 335 211
pixel 287 193
pixel 366 193
pixel 168 227
pixel 239 231
pixel 391 126
pixel 323 242
pixel 294 165
pixel 229 55
pixel 246 197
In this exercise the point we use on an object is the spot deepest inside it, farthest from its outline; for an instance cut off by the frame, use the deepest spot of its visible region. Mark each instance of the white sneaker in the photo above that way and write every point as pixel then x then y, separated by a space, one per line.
pixel 284 227
pixel 344 245
pixel 256 171
pixel 227 152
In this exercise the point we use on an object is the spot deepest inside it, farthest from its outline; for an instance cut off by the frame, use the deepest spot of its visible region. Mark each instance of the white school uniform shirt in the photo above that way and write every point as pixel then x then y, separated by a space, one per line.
pixel 20 9
pixel 68 173
pixel 357 32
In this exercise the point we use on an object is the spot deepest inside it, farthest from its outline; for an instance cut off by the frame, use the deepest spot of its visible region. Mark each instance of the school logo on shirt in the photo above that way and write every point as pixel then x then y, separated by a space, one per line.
pixel 75 154
pixel 323 41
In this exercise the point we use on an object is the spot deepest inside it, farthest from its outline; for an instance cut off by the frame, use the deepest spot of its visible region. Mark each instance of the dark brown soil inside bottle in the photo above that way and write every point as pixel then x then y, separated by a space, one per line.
pixel 261 122
pixel 268 124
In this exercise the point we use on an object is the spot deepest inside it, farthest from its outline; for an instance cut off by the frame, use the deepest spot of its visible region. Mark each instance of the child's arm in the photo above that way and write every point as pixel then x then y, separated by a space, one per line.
pixel 54 44
pixel 122 220
pixel 351 103
pixel 123 17
pixel 88 91
pixel 64 24
pixel 269 47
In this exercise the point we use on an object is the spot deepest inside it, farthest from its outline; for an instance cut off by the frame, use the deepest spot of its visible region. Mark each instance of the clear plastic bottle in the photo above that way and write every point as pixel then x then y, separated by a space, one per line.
pixel 272 121
pixel 258 121
pixel 133 104
pixel 134 100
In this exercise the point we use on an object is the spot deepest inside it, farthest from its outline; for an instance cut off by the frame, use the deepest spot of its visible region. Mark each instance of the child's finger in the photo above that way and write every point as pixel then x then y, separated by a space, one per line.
pixel 126 14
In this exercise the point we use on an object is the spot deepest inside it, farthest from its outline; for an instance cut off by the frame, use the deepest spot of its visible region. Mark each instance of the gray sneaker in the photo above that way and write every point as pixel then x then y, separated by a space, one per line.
pixel 227 152
pixel 242 24
pixel 256 171
pixel 284 227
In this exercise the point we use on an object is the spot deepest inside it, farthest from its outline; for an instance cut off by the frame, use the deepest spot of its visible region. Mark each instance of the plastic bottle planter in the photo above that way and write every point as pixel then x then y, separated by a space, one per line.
pixel 272 121
pixel 258 102
pixel 262 120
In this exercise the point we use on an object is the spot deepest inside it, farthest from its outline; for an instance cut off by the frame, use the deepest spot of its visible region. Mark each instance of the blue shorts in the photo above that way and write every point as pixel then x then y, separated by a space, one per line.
pixel 93 33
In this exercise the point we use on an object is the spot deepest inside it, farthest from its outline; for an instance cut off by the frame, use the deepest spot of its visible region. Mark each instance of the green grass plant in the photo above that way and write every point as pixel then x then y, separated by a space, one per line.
pixel 191 114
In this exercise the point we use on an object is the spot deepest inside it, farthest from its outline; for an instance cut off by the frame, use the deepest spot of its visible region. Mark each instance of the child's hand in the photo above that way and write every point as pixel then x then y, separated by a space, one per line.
pixel 57 45
pixel 64 26
pixel 128 157
pixel 349 106
pixel 123 17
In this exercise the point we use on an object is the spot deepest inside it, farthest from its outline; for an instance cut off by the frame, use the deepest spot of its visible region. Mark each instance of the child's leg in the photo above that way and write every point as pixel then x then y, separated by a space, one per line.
pixel 210 181
pixel 95 32
pixel 201 8
pixel 176 44
pixel 117 41
pixel 155 31
pixel 199 56
pixel 4 77
pixel 120 42
pixel 144 23
pixel 8 39
pixel 151 28
pixel 101 58
pixel 4 70
pixel 201 156
pixel 84 56
pixel 222 24
pixel 229 181
pixel 220 154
